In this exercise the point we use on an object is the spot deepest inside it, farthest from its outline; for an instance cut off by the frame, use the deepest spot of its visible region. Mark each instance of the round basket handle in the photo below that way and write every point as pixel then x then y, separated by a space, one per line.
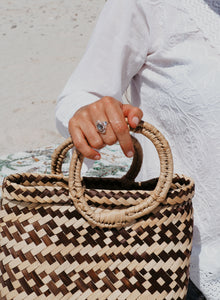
pixel 119 217
pixel 60 153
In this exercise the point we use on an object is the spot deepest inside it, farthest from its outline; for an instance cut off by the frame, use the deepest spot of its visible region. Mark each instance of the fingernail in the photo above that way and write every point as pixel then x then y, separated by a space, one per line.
pixel 130 153
pixel 136 120
pixel 97 157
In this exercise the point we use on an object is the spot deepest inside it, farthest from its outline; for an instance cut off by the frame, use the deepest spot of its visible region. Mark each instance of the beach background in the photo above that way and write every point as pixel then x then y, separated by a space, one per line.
pixel 41 43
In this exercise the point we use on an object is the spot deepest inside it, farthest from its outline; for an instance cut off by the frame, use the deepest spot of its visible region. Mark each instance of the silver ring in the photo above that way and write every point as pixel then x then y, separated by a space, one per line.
pixel 101 126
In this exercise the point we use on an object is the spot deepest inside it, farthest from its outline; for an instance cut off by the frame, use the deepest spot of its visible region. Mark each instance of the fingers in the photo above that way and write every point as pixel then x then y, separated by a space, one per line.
pixel 123 136
pixel 134 114
pixel 81 143
pixel 99 114
pixel 85 136
pixel 119 126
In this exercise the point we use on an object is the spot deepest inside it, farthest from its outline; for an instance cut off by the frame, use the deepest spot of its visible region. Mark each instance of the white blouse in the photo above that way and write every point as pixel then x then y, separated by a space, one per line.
pixel 168 51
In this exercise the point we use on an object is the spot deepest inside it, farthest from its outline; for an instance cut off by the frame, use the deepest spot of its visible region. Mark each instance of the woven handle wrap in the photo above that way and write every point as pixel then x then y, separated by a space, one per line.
pixel 60 153
pixel 119 217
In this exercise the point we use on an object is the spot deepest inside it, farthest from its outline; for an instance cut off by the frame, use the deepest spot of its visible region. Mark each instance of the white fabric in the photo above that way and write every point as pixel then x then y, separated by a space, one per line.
pixel 169 51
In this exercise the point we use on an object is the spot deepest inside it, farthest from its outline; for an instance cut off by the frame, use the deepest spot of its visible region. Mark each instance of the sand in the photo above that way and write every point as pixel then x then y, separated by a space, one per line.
pixel 41 44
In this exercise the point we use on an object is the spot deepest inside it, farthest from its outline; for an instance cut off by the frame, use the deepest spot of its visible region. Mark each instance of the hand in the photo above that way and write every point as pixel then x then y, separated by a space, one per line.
pixel 86 138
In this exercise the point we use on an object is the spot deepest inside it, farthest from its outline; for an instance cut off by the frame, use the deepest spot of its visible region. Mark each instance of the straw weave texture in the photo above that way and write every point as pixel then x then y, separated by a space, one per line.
pixel 96 238
pixel 50 252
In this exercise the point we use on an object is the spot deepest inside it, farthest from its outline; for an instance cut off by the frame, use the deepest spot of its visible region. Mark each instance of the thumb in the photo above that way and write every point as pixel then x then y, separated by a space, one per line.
pixel 134 114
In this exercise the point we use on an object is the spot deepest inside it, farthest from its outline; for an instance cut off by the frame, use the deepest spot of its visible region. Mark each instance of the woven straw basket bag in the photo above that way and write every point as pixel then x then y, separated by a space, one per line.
pixel 96 238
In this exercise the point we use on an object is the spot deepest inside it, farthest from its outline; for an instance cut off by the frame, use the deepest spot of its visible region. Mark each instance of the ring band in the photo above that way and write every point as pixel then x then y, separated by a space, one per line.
pixel 101 126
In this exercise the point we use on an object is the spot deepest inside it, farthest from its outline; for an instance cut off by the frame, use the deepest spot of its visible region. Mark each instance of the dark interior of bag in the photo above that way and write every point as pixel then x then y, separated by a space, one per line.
pixel 118 184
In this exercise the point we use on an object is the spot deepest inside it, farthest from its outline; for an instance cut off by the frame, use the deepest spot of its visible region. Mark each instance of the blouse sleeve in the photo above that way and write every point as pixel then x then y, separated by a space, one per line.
pixel 115 53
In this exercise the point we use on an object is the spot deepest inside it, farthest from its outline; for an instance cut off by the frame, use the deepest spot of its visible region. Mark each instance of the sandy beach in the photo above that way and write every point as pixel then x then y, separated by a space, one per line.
pixel 41 43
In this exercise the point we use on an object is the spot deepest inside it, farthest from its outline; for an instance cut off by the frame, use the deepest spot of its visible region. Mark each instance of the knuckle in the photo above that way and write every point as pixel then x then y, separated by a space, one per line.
pixel 80 115
pixel 137 111
pixel 97 144
pixel 111 141
pixel 108 100
pixel 120 128
pixel 94 106
pixel 72 124
pixel 83 114
pixel 78 143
